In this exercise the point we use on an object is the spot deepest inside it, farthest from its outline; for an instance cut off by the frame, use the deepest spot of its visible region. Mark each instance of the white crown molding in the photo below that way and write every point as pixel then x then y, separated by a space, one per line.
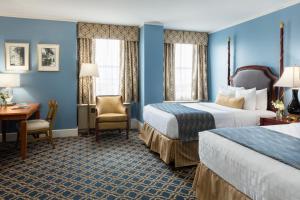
pixel 286 5
pixel 38 18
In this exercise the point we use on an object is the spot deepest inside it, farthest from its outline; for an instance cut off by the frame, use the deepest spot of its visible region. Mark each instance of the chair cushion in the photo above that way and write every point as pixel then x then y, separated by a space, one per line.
pixel 37 124
pixel 111 125
pixel 110 104
pixel 112 117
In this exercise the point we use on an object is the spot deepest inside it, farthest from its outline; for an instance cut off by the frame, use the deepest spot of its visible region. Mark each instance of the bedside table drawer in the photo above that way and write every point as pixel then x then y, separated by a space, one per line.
pixel 272 121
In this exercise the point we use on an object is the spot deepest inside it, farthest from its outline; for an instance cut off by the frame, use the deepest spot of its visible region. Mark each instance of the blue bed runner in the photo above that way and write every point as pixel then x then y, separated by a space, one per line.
pixel 190 121
pixel 276 145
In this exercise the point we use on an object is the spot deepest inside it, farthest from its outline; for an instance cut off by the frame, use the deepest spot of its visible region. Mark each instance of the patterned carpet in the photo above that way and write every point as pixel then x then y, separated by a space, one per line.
pixel 80 168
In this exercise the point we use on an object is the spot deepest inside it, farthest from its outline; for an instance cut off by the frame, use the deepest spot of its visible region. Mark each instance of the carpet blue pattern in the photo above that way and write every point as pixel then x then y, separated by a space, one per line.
pixel 80 168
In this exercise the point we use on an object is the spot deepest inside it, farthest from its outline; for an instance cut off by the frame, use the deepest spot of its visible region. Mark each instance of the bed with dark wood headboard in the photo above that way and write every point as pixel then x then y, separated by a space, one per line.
pixel 255 76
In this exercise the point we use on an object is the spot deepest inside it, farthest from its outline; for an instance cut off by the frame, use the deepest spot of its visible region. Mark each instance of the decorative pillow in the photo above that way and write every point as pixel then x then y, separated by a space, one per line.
pixel 229 90
pixel 230 101
pixel 249 96
pixel 262 99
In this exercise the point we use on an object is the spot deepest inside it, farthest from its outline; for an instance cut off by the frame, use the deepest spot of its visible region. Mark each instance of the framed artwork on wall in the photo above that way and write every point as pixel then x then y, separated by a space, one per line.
pixel 48 57
pixel 17 56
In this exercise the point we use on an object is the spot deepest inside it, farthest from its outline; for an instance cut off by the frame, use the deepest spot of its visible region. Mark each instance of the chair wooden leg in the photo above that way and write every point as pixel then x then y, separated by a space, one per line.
pixel 3 131
pixel 96 131
pixel 97 135
pixel 18 138
pixel 51 139
pixel 127 132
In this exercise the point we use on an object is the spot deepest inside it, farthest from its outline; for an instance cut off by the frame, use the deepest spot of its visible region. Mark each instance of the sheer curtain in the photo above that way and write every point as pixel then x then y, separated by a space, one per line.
pixel 183 71
pixel 107 57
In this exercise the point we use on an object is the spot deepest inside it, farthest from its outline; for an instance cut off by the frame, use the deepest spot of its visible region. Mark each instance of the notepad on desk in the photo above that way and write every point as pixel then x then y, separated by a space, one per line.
pixel 21 106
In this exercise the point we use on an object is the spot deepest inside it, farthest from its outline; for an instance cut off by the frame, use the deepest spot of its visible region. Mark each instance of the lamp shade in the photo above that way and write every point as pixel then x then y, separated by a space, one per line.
pixel 88 69
pixel 290 78
pixel 9 80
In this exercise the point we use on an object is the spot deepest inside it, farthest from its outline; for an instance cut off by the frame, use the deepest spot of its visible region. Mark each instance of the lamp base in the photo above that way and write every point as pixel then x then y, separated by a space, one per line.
pixel 294 106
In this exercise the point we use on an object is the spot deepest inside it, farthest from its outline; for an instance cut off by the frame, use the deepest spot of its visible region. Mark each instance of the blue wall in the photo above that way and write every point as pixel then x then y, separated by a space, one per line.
pixel 151 66
pixel 254 42
pixel 42 86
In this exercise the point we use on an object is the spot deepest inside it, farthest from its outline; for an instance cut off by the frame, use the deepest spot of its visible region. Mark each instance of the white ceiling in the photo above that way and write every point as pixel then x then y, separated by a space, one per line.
pixel 199 15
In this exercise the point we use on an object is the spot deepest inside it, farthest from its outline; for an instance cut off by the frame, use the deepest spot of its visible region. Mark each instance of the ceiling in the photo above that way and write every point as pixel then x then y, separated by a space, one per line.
pixel 198 15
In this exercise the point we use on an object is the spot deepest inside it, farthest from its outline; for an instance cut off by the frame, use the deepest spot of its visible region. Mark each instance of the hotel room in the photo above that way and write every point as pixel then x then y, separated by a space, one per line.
pixel 150 99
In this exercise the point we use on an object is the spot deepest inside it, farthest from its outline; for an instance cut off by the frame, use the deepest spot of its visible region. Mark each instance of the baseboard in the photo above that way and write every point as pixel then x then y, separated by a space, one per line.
pixel 65 132
pixel 134 123
pixel 139 125
pixel 56 133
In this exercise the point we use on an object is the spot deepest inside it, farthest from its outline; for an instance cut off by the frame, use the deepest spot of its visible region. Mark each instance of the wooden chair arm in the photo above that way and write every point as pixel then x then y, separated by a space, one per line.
pixel 126 111
pixel 96 111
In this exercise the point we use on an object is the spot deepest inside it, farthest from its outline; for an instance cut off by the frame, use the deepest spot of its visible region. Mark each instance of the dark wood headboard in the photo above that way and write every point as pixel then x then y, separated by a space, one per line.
pixel 255 76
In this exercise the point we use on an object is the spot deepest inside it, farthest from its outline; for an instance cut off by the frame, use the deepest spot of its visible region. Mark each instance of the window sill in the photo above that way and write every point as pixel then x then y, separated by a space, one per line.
pixel 93 104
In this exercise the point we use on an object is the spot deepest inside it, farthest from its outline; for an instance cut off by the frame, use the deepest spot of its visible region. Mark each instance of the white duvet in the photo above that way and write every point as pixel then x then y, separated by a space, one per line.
pixel 166 123
pixel 254 174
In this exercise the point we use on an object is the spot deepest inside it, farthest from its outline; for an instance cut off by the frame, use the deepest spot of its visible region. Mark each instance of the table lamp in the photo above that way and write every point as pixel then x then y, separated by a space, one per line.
pixel 291 79
pixel 9 81
pixel 89 70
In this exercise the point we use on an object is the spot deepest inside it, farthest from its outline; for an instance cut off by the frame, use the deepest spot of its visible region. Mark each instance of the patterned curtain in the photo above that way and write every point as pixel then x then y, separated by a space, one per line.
pixel 185 37
pixel 169 71
pixel 108 31
pixel 85 55
pixel 86 33
pixel 199 73
pixel 199 70
pixel 129 71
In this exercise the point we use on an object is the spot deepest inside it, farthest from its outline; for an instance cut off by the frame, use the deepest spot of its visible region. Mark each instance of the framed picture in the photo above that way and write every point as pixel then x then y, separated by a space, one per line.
pixel 48 57
pixel 17 56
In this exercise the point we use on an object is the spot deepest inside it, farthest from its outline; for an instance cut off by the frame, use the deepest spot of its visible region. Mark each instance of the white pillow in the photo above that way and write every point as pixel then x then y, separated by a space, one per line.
pixel 229 90
pixel 262 99
pixel 249 96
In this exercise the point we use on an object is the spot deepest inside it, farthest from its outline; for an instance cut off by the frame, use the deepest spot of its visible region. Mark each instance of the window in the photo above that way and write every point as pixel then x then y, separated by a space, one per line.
pixel 183 71
pixel 107 57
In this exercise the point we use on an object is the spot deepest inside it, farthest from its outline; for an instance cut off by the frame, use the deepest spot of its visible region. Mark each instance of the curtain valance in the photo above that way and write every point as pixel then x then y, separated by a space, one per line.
pixel 107 31
pixel 187 37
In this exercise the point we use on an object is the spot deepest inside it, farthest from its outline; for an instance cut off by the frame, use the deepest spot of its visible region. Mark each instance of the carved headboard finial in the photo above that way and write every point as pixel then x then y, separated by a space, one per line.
pixel 281 24
pixel 228 60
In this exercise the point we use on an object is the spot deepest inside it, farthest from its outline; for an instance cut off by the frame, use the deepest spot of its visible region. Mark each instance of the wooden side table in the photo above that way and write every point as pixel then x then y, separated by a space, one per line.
pixel 274 121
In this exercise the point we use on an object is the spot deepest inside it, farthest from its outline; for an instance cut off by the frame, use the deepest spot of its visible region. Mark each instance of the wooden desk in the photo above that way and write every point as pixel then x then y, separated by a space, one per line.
pixel 21 115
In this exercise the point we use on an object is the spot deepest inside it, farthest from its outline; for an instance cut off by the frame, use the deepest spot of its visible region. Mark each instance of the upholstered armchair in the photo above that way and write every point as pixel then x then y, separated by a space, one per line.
pixel 111 114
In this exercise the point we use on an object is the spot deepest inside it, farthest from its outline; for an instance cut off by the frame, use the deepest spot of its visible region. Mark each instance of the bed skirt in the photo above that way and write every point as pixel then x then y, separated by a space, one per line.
pixel 170 150
pixel 210 186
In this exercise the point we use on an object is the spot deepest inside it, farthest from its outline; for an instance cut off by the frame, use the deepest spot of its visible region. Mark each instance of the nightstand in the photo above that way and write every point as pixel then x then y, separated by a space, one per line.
pixel 274 121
